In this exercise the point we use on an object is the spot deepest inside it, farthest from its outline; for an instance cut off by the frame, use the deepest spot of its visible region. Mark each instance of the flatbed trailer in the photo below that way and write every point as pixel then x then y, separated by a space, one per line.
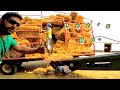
pixel 91 61
pixel 9 65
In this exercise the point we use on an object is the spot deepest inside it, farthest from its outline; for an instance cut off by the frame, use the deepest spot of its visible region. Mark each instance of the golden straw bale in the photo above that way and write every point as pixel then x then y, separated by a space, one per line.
pixel 28 27
pixel 59 16
pixel 78 19
pixel 84 26
pixel 56 29
pixel 47 20
pixel 67 18
pixel 58 21
pixel 60 35
pixel 24 20
pixel 34 21
pixel 73 15
pixel 52 16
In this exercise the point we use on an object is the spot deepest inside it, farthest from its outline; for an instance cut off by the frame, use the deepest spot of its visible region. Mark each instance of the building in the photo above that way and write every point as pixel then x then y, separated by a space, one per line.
pixel 105 44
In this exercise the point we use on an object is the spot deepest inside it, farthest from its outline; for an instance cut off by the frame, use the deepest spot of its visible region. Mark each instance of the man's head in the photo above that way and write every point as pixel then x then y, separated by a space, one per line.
pixel 9 22
pixel 49 25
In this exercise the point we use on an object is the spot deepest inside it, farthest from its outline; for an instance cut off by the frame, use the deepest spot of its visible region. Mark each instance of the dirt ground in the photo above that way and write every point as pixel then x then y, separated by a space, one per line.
pixel 27 68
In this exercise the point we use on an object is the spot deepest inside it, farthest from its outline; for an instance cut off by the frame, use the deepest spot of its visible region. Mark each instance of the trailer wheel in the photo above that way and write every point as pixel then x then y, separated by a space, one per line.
pixel 8 69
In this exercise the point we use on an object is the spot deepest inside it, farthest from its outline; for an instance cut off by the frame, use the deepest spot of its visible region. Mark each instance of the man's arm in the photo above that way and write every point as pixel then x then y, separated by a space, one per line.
pixel 29 50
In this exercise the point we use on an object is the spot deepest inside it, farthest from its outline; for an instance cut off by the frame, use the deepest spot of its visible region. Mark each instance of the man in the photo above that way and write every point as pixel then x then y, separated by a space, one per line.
pixel 8 24
pixel 49 38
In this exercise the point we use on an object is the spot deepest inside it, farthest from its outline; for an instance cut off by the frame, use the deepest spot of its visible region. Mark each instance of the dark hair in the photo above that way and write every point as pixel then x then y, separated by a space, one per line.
pixel 10 14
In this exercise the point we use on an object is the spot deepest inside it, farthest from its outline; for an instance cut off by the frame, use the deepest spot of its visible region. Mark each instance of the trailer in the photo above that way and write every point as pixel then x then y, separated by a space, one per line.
pixel 84 42
pixel 104 60
pixel 10 66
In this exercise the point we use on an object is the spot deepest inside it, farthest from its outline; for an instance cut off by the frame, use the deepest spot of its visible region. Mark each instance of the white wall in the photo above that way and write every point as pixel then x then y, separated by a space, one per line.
pixel 115 47
pixel 99 46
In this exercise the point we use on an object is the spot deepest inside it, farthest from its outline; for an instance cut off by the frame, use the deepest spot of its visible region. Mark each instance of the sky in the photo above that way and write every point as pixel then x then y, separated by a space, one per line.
pixel 104 17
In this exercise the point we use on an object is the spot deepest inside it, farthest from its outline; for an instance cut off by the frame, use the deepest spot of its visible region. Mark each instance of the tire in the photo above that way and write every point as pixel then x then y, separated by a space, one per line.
pixel 8 69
